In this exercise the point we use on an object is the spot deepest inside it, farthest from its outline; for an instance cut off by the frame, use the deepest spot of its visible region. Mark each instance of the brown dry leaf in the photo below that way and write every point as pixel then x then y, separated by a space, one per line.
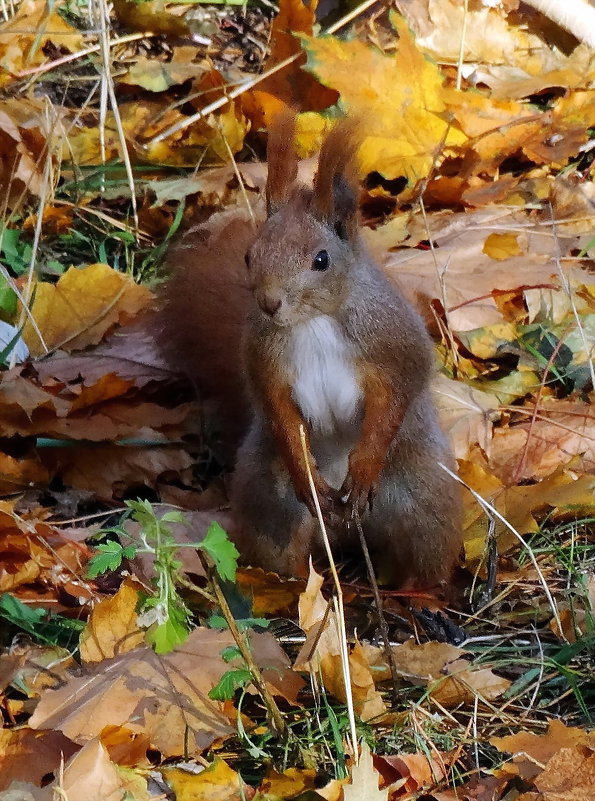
pixel 130 353
pixel 290 86
pixel 561 432
pixel 531 751
pixel 364 780
pixel 322 652
pixel 164 697
pixel 19 474
pixel 90 775
pixel 403 106
pixel 82 307
pixel 109 470
pixel 27 755
pixel 461 275
pixel 409 774
pixel 39 666
pixel 270 593
pixel 217 782
pixel 24 132
pixel 467 414
pixel 431 662
pixel 125 747
pixel 112 628
pixel 569 775
pixel 34 26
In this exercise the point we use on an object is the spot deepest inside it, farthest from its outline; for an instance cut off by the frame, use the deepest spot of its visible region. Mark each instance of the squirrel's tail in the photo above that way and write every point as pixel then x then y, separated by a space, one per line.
pixel 203 306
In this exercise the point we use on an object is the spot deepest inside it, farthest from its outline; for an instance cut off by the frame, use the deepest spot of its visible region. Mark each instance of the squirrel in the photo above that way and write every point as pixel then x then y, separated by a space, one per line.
pixel 294 324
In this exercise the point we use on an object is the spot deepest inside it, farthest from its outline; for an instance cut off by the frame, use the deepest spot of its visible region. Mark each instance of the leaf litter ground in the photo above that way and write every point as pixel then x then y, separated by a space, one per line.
pixel 477 171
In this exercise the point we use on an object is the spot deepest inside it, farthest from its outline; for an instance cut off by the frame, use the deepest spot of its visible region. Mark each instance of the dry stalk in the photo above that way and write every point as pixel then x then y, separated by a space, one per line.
pixel 275 716
pixel 491 510
pixel 388 651
pixel 337 601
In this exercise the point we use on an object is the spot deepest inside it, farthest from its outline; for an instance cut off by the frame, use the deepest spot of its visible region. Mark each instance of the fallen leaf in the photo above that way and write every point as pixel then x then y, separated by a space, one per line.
pixel 27 755
pixel 502 246
pixel 24 36
pixel 217 782
pixel 164 697
pixel 90 775
pixel 364 780
pixel 112 627
pixel 82 307
pixel 467 415
pixel 321 652
pixel 533 751
pixel 403 105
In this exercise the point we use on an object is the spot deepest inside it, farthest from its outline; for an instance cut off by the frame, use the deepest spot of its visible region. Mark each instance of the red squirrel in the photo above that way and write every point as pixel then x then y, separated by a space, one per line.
pixel 294 324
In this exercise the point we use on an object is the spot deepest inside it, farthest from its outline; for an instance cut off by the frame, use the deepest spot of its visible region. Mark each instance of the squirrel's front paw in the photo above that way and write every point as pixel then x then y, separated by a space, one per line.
pixel 329 500
pixel 358 489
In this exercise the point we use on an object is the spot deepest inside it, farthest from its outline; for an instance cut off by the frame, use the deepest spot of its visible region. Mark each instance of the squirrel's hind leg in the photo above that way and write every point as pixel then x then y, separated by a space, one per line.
pixel 414 530
pixel 272 529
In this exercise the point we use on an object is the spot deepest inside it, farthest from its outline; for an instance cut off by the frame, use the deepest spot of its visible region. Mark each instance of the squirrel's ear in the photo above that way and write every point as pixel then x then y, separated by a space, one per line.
pixel 282 160
pixel 335 185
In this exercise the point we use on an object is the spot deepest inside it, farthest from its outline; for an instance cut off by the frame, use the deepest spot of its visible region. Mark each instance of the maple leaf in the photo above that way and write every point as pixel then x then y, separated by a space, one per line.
pixel 403 106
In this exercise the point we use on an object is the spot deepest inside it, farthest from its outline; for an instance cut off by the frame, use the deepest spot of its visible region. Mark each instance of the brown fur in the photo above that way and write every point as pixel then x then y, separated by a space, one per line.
pixel 381 458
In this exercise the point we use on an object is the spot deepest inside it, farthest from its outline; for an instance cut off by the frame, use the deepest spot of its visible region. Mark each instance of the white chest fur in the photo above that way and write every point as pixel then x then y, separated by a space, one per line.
pixel 325 385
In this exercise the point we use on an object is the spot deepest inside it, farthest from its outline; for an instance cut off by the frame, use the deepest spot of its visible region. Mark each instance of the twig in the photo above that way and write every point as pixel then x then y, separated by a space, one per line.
pixel 244 87
pixel 338 603
pixel 388 651
pixel 489 509
pixel 277 720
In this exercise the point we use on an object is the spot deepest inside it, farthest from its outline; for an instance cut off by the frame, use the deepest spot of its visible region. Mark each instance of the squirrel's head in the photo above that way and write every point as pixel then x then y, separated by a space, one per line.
pixel 300 261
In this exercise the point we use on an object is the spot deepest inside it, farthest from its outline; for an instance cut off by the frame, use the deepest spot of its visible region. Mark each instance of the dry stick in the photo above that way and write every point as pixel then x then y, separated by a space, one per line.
pixel 388 651
pixel 275 715
pixel 337 600
pixel 109 84
pixel 491 510
pixel 461 58
pixel 50 65
pixel 244 87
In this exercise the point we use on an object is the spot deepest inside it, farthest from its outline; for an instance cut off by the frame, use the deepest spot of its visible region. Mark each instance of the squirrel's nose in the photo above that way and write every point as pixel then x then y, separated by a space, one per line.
pixel 270 302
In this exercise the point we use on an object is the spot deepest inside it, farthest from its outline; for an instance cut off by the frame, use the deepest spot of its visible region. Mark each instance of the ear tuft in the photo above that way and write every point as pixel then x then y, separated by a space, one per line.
pixel 335 186
pixel 282 160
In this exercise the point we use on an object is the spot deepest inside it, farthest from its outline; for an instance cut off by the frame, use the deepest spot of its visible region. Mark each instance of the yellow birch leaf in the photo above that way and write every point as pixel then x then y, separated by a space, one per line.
pixel 502 246
pixel 82 307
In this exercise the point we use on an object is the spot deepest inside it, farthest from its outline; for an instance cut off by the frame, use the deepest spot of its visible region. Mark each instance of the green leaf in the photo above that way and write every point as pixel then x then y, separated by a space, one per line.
pixel 222 551
pixel 109 557
pixel 231 681
pixel 173 631
pixel 231 652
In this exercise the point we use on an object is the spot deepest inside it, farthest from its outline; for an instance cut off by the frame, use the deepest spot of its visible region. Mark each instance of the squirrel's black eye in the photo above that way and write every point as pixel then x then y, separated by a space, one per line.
pixel 320 260
pixel 247 260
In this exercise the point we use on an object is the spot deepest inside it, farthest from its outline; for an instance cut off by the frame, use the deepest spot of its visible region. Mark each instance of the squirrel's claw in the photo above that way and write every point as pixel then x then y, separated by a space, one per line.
pixel 355 496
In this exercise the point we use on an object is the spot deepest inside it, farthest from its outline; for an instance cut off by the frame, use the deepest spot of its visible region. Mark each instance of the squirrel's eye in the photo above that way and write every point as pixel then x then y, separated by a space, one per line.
pixel 320 260
pixel 247 260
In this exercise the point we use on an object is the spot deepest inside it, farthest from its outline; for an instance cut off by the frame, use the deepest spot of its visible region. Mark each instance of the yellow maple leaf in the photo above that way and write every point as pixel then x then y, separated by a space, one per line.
pixel 80 309
pixel 399 97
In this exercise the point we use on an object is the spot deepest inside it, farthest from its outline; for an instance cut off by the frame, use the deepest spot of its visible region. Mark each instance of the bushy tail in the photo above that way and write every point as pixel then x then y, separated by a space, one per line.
pixel 203 306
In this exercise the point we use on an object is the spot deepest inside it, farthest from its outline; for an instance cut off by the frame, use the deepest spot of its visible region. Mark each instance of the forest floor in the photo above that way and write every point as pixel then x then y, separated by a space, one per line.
pixel 138 662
